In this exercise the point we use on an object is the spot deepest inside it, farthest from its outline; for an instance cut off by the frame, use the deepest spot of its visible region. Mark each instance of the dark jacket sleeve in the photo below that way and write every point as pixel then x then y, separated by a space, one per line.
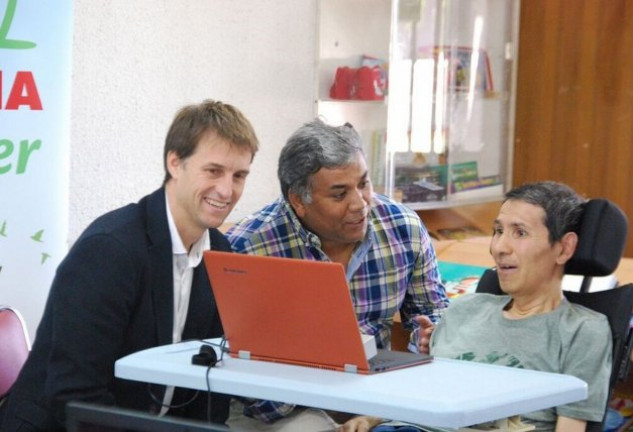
pixel 98 284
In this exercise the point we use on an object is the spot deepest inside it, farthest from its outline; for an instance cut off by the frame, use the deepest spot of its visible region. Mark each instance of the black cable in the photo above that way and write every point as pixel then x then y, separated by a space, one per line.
pixel 170 406
pixel 209 393
pixel 223 349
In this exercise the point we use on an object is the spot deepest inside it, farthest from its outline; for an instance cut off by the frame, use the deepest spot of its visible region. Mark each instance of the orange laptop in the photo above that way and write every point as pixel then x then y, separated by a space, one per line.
pixel 293 311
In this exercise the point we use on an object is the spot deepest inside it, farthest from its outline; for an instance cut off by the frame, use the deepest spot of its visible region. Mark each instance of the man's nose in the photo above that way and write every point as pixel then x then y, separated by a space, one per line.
pixel 224 186
pixel 499 244
pixel 359 201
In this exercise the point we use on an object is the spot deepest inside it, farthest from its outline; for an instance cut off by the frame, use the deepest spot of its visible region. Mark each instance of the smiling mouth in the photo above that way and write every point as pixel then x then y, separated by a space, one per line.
pixel 216 204
pixel 359 221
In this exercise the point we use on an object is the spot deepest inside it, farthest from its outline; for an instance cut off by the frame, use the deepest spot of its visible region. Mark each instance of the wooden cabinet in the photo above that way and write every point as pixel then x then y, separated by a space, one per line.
pixel 574 108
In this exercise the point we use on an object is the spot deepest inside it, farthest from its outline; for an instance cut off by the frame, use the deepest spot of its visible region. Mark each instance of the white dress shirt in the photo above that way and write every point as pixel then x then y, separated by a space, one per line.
pixel 183 266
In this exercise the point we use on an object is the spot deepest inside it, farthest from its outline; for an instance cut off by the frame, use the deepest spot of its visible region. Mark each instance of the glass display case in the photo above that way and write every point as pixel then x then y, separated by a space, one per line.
pixel 429 85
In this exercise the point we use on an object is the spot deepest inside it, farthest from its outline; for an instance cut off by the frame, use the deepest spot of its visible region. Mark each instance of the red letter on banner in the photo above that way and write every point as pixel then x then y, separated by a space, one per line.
pixel 24 92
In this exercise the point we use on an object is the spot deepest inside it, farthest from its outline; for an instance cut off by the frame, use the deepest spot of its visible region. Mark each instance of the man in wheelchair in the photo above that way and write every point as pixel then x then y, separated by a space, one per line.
pixel 532 325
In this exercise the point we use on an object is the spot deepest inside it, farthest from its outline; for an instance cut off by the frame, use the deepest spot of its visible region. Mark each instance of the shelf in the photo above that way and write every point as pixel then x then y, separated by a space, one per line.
pixel 448 114
pixel 462 96
pixel 432 205
pixel 382 103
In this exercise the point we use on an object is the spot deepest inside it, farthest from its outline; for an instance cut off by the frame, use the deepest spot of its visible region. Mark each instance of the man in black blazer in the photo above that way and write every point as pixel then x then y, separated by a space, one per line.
pixel 135 279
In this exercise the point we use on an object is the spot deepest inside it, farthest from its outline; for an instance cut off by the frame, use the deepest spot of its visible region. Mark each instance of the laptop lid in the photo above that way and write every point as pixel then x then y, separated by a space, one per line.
pixel 291 311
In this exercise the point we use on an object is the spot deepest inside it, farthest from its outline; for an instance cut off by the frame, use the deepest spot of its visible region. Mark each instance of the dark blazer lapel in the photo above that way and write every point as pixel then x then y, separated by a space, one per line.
pixel 202 312
pixel 203 319
pixel 160 263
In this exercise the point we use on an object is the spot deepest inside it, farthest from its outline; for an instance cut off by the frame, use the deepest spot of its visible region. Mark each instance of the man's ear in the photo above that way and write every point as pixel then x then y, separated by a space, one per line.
pixel 173 162
pixel 568 247
pixel 296 202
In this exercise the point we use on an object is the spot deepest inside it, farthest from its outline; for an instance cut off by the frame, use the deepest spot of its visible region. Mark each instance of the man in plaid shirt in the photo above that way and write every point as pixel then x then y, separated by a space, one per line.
pixel 329 212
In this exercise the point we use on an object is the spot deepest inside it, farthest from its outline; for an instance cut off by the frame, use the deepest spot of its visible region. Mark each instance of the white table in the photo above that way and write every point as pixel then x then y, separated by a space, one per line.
pixel 443 393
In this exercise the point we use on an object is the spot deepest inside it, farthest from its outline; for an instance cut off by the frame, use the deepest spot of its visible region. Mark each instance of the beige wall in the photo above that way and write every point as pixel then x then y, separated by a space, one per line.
pixel 136 62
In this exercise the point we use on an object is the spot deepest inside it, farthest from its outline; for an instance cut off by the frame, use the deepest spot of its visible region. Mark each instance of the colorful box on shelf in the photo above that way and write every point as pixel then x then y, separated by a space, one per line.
pixel 466 69
pixel 421 183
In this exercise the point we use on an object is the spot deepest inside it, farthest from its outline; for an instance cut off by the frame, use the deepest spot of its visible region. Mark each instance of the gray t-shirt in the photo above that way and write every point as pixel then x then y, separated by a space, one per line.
pixel 570 340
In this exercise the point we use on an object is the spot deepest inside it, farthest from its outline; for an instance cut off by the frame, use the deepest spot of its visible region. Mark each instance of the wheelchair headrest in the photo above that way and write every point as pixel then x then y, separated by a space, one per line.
pixel 601 239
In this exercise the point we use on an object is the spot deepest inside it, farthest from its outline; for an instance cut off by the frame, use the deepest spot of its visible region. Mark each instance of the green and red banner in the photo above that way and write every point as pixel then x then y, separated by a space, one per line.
pixel 35 74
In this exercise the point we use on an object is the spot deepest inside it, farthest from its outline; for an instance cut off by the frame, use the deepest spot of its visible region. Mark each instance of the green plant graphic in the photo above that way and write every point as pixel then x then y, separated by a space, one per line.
pixel 6 25
pixel 37 237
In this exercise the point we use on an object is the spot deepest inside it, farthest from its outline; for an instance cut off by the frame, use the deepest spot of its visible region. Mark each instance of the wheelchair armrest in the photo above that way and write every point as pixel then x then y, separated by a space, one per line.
pixel 625 361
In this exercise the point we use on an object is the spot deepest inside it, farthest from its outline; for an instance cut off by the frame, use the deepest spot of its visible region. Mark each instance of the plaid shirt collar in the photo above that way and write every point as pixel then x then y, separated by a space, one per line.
pixel 313 241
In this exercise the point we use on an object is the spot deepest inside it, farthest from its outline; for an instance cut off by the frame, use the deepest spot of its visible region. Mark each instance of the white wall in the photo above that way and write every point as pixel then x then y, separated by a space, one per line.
pixel 136 62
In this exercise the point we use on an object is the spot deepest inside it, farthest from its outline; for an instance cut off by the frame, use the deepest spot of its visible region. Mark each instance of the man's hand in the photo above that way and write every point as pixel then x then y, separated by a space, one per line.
pixel 360 424
pixel 567 424
pixel 424 336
